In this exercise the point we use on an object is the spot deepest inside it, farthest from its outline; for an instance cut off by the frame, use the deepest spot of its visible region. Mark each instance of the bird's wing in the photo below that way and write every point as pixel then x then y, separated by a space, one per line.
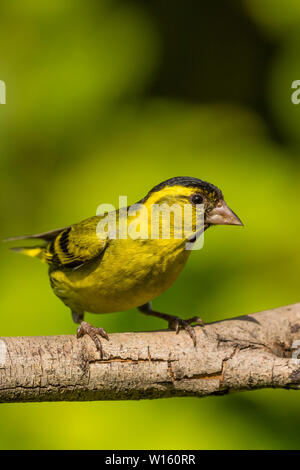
pixel 77 244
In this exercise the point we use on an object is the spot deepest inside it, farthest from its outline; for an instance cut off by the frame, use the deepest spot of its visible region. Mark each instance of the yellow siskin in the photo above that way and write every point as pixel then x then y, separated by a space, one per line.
pixel 92 271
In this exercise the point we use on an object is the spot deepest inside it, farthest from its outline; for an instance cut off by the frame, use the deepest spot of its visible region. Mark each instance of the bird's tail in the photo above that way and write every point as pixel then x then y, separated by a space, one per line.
pixel 33 251
pixel 40 251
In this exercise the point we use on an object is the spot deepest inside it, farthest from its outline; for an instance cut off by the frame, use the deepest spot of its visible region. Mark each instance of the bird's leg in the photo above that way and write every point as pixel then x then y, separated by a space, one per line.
pixel 92 331
pixel 77 317
pixel 174 322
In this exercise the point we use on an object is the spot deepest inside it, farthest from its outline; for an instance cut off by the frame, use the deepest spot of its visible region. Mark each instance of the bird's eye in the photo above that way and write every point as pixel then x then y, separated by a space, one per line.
pixel 197 199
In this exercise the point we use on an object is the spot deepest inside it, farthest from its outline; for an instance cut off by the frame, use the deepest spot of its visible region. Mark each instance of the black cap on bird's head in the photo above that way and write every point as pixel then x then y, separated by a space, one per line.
pixel 187 182
pixel 198 192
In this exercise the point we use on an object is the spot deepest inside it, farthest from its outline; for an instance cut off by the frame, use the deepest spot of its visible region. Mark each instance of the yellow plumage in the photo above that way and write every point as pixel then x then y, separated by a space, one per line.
pixel 92 274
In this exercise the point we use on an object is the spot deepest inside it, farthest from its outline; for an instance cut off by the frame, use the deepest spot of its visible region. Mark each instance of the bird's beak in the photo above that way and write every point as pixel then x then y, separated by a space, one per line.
pixel 222 215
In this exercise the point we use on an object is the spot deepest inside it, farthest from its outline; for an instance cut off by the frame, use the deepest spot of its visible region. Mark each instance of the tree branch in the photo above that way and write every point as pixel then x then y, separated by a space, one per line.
pixel 244 353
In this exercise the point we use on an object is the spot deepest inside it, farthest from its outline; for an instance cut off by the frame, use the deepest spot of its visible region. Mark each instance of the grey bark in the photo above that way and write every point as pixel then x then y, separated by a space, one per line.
pixel 243 353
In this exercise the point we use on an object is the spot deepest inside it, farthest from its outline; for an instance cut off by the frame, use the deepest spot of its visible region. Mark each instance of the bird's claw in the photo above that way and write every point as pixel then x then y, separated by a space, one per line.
pixel 178 323
pixel 93 332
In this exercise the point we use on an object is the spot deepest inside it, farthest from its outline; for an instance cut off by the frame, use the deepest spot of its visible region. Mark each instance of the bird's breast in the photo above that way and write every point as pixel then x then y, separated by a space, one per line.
pixel 130 273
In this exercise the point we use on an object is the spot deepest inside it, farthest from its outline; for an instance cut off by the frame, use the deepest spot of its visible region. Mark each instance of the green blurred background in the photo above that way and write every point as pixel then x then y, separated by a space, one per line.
pixel 107 98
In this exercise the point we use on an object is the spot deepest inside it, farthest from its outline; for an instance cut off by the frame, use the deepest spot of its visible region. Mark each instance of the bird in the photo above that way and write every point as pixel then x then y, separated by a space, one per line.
pixel 96 272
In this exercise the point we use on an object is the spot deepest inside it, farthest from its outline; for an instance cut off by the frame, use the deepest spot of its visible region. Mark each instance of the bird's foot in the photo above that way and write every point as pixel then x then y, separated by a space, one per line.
pixel 177 323
pixel 93 332
pixel 174 322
